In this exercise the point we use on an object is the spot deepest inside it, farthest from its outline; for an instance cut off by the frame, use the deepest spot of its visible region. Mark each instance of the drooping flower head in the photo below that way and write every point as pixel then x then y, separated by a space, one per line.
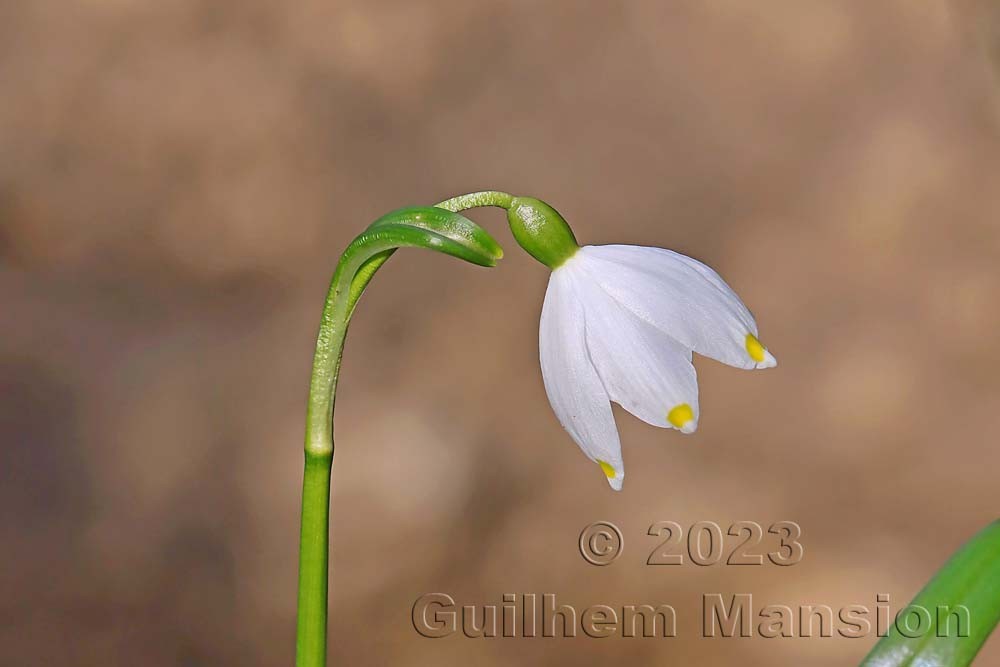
pixel 620 323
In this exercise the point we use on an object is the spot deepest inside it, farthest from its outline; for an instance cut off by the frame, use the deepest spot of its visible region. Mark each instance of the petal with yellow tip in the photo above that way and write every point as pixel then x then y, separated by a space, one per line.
pixel 574 388
pixel 678 295
pixel 682 418
pixel 761 357
pixel 643 369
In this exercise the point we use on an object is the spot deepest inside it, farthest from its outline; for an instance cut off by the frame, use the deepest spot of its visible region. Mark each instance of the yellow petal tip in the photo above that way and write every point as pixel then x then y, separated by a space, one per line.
pixel 760 355
pixel 682 417
pixel 608 469
pixel 754 348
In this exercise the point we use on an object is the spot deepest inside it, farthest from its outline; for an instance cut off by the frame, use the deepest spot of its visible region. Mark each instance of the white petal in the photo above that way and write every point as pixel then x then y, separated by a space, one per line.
pixel 574 388
pixel 643 369
pixel 681 297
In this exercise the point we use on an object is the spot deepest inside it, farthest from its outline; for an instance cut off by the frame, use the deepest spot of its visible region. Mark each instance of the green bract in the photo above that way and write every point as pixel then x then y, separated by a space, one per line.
pixel 419 227
pixel 436 228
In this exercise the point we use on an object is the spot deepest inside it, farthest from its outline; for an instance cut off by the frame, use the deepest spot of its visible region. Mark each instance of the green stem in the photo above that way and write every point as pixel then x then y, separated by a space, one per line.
pixel 477 199
pixel 352 275
pixel 415 227
pixel 310 642
pixel 537 228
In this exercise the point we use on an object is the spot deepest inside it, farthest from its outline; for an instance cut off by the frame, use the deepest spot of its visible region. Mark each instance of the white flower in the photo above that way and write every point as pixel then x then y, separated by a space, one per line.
pixel 619 324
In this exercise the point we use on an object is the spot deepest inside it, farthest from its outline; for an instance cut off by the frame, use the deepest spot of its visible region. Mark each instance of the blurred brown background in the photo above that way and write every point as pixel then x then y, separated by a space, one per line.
pixel 177 180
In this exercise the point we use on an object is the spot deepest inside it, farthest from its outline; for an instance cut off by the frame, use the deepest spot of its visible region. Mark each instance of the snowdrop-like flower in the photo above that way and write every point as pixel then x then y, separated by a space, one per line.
pixel 620 323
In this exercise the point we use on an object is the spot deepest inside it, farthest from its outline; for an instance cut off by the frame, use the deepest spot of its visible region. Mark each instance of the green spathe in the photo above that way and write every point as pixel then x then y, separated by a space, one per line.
pixel 415 227
pixel 541 231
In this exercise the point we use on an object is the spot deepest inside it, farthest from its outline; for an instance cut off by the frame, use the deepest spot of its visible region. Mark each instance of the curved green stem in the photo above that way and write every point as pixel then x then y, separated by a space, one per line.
pixel 427 227
pixel 477 199
pixel 310 640
pixel 536 226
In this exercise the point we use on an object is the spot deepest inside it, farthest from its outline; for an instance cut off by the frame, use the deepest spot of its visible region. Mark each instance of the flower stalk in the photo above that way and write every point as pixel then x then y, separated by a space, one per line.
pixel 425 227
